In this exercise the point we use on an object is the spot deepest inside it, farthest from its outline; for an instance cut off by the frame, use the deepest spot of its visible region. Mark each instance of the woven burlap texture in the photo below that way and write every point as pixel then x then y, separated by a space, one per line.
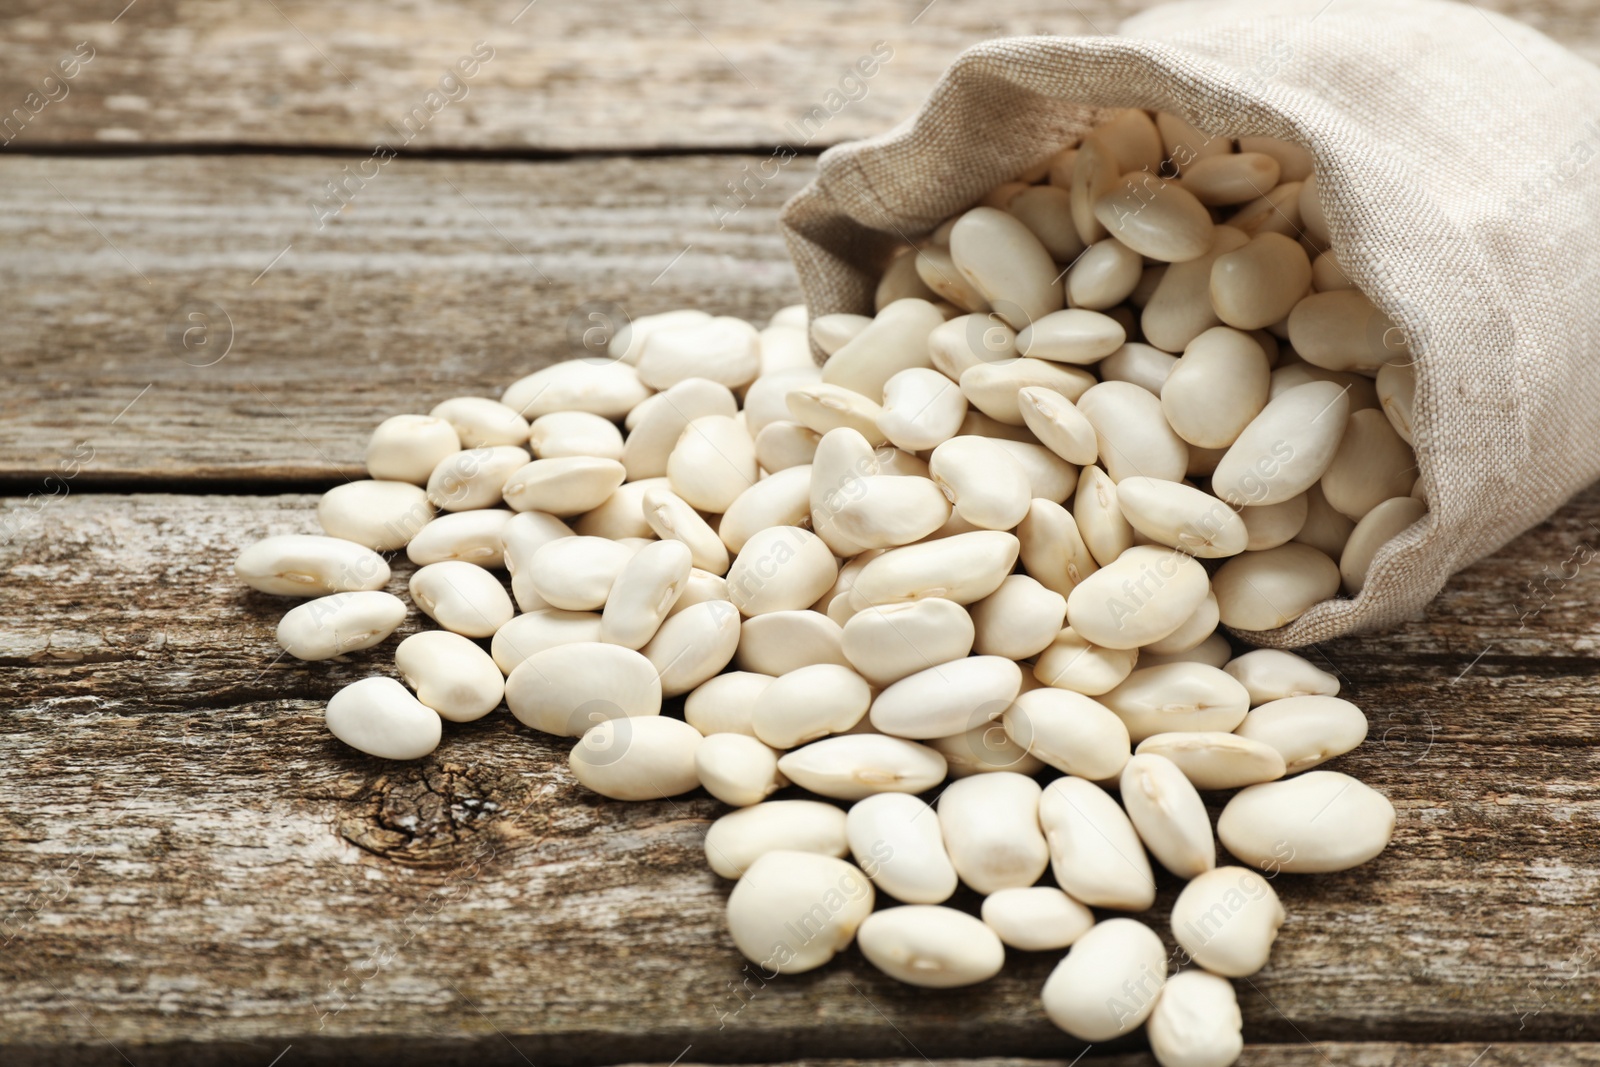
pixel 1456 152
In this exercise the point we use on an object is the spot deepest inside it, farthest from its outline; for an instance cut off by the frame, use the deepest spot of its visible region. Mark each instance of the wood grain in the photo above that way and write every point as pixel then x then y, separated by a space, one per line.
pixel 439 279
pixel 563 77
pixel 188 861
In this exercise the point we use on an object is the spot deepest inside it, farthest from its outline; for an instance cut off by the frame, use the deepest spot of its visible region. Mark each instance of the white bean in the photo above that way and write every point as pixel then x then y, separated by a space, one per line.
pixel 986 486
pixel 712 463
pixel 451 674
pixel 724 349
pixel 1168 814
pixel 723 703
pixel 1036 918
pixel 739 838
pixel 1019 620
pixel 380 717
pixel 308 565
pixel 736 769
pixel 1178 697
pixel 631 758
pixel 1196 1022
pixel 600 387
pixel 896 340
pixel 1306 730
pixel 1182 517
pixel 576 573
pixel 858 765
pixel 1397 394
pixel 1342 330
pixel 1309 824
pixel 622 515
pixel 628 341
pixel 406 448
pixel 1109 981
pixel 1227 919
pixel 1094 851
pixel 479 421
pixel 1214 760
pixel 1156 218
pixel 1265 590
pixel 1132 434
pixel 1006 263
pixel 1058 424
pixel 1103 275
pixel 1081 666
pixel 781 568
pixel 568 688
pixel 479 536
pixel 962 567
pixel 461 597
pixel 948 699
pixel 644 592
pixel 1179 310
pixel 1218 386
pixel 793 911
pixel 1257 285
pixel 1142 596
pixel 381 515
pixel 930 946
pixel 1269 674
pixel 780 499
pixel 537 630
pixel 665 417
pixel 694 644
pixel 1372 464
pixel 832 332
pixel 810 703
pixel 330 626
pixel 991 829
pixel 474 478
pixel 569 485
pixel 781 445
pixel 672 519
pixel 888 642
pixel 1069 731
pixel 779 642
pixel 897 840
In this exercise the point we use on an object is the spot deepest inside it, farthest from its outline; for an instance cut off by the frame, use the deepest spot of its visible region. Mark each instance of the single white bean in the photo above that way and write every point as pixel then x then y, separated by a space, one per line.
pixel 948 699
pixel 1397 393
pixel 576 573
pixel 451 674
pixel 991 829
pixel 896 340
pixel 1286 448
pixel 1142 596
pixel 1047 211
pixel 1103 275
pixel 858 765
pixel 1196 1022
pixel 479 421
pixel 479 536
pixel 1094 851
pixel 1178 697
pixel 1265 590
pixel 1109 981
pixel 570 485
pixel 308 565
pixel 1270 525
pixel 888 642
pixel 628 341
pixel 985 749
pixel 1257 285
pixel 1213 760
pixel 833 332
pixel 567 689
pixel 968 340
pixel 380 717
pixel 986 486
pixel 886 510
pixel 712 463
pixel 381 515
pixel 631 758
pixel 808 704
pixel 793 911
pixel 1342 330
pixel 1182 517
pixel 1155 217
pixel 330 626
pixel 823 407
pixel 1312 823
pixel 723 703
pixel 1227 919
pixel 736 769
pixel 723 349
pixel 1168 814
pixel 962 568
pixel 1218 386
pixel 537 630
pixel 1070 732
pixel 567 434
pixel 1019 620
pixel 1306 730
pixel 1036 918
pixel 1325 529
pixel 406 448
pixel 1058 424
pixel 1132 434
pixel 1007 264
pixel 896 839
pixel 739 838
pixel 1081 666
pixel 644 592
pixel 1269 674
pixel 694 644
pixel 1139 364
pixel 622 515
pixel 1220 180
pixel 930 946
pixel 781 568
pixel 474 478
pixel 779 642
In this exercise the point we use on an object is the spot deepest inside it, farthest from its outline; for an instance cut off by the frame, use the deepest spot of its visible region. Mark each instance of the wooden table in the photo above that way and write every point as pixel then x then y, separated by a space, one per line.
pixel 197 336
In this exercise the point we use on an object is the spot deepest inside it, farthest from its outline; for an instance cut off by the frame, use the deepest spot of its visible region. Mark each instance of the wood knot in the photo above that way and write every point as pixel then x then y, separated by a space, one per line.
pixel 431 814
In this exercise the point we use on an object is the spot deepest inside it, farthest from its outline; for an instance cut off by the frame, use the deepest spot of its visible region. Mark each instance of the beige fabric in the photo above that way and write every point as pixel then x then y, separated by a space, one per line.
pixel 1457 153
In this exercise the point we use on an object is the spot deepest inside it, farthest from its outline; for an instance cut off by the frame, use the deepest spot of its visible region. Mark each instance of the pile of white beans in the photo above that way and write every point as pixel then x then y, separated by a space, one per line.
pixel 987 545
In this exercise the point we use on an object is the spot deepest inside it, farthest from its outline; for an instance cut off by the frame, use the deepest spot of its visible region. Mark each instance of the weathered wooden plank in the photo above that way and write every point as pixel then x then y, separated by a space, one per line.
pixel 695 73
pixel 440 279
pixel 186 857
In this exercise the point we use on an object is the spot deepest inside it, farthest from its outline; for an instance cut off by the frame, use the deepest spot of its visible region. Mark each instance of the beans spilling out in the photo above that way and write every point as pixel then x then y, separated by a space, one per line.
pixel 963 582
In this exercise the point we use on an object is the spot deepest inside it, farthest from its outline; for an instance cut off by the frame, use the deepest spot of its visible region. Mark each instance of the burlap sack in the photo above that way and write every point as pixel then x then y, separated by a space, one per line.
pixel 1455 151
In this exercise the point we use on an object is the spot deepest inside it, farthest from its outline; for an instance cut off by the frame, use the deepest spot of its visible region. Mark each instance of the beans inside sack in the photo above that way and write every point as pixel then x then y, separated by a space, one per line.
pixel 956 596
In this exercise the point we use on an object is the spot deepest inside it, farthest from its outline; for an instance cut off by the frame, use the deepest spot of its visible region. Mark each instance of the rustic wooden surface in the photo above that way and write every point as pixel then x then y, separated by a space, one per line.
pixel 193 872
